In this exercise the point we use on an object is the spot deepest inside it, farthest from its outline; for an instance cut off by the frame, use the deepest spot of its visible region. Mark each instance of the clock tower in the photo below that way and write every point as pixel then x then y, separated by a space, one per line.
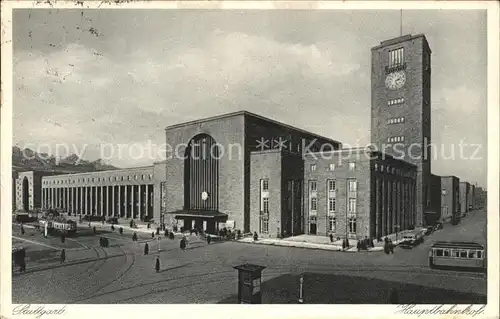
pixel 400 108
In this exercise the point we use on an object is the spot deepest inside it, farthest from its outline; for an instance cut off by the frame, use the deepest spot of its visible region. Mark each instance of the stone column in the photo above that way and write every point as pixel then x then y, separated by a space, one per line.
pixel 113 202
pixel 125 195
pixel 101 202
pixel 139 202
pixel 119 202
pixel 132 202
pixel 146 199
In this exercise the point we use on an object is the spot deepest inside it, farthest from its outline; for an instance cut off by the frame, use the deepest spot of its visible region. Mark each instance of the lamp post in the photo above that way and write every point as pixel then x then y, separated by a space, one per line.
pixel 346 213
pixel 301 288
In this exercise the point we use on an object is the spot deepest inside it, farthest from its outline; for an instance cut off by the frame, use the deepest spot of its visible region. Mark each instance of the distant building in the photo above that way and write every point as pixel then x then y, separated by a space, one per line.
pixel 480 198
pixel 450 198
pixel 464 197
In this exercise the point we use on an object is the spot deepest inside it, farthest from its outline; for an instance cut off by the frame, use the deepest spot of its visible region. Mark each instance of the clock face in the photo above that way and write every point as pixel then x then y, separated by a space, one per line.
pixel 395 80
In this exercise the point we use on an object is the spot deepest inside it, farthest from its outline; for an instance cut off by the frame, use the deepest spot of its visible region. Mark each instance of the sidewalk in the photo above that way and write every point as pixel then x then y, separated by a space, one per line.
pixel 308 245
pixel 323 242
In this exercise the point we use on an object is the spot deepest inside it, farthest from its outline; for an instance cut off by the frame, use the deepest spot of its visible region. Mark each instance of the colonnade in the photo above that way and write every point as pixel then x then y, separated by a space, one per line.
pixel 124 201
pixel 394 199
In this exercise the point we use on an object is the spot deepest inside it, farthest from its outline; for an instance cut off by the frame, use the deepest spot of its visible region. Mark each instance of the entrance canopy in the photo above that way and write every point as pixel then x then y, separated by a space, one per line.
pixel 201 214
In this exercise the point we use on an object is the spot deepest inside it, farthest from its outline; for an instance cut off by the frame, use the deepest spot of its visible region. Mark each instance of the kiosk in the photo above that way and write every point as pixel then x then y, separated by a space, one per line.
pixel 249 280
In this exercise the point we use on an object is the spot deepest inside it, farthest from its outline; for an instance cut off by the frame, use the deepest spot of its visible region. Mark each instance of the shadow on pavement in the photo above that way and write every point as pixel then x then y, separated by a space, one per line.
pixel 341 289
pixel 60 265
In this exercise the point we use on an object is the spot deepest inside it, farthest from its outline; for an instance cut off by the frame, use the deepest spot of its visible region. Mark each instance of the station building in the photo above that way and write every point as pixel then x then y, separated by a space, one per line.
pixel 251 173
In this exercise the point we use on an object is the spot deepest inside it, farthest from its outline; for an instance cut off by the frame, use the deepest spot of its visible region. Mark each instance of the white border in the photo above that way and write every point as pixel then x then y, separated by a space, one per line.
pixel 232 311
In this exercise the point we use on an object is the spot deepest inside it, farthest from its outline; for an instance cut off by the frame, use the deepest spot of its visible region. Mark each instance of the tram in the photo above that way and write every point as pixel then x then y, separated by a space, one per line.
pixel 58 226
pixel 458 255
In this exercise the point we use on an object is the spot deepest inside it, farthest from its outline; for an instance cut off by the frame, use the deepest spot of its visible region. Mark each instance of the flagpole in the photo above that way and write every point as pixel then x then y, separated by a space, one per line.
pixel 401 23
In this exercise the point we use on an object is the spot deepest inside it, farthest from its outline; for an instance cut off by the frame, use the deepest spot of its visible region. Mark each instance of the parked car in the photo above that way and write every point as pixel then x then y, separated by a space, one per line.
pixel 148 219
pixel 429 230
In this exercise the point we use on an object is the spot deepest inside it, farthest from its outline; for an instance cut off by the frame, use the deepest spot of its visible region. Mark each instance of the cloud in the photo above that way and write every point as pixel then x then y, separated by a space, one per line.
pixel 79 96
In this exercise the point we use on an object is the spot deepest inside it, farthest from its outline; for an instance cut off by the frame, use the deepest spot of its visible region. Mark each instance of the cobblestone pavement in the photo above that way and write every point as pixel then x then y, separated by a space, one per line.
pixel 204 273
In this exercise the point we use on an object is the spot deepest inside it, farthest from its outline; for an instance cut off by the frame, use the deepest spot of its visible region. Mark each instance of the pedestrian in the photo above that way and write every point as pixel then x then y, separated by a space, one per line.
pixel 63 256
pixel 371 243
pixel 112 227
pixel 95 231
pixel 255 236
pixel 22 229
pixel 166 233
pixel 331 238
pixel 146 249
pixel 183 244
pixel 134 237
pixel 209 239
pixel 157 266
pixel 153 235
pixel 358 245
pixel 121 230
pixel 391 246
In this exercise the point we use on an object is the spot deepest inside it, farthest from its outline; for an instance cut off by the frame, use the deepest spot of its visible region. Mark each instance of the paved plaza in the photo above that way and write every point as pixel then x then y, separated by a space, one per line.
pixel 204 273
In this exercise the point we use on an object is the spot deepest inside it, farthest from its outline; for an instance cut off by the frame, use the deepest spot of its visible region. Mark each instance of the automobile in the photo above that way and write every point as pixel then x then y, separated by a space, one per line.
pixel 112 220
pixel 406 245
pixel 429 230
pixel 148 219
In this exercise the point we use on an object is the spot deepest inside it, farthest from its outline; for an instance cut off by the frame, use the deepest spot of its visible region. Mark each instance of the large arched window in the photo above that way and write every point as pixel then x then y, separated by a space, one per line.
pixel 201 174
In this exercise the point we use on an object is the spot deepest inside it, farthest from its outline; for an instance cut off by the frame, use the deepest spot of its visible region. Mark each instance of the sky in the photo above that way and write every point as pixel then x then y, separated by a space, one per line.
pixel 97 79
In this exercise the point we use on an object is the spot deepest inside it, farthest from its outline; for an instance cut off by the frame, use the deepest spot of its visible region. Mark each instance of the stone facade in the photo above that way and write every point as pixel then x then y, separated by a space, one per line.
pixel 382 202
pixel 237 135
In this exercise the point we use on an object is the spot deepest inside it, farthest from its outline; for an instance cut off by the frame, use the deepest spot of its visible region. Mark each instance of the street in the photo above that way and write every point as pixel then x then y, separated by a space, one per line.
pixel 204 273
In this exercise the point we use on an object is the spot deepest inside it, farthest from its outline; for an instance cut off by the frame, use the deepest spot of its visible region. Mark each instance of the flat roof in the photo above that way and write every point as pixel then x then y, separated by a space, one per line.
pixel 400 39
pixel 246 113
pixel 98 172
pixel 360 149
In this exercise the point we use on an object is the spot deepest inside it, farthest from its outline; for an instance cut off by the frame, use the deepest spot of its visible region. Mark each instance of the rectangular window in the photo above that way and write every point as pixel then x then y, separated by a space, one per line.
pixel 332 224
pixel 446 252
pixel 472 254
pixel 314 204
pixel 265 205
pixel 463 254
pixel 352 166
pixel 312 186
pixel 353 185
pixel 396 57
pixel 264 223
pixel 331 185
pixel 331 205
pixel 396 120
pixel 400 100
pixel 352 205
pixel 313 167
pixel 265 184
pixel 439 252
pixel 331 167
pixel 352 226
